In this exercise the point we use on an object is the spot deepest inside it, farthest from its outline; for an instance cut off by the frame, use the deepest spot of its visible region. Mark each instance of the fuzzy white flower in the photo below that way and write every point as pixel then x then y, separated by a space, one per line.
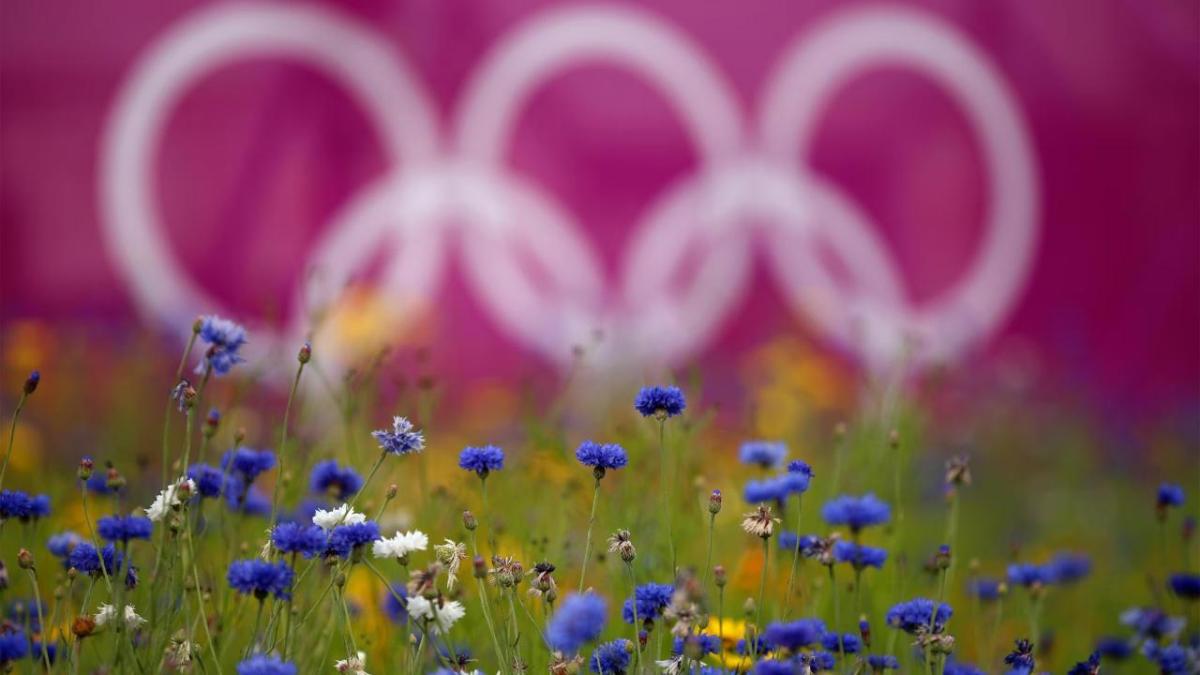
pixel 353 665
pixel 170 498
pixel 440 618
pixel 106 613
pixel 400 545
pixel 342 515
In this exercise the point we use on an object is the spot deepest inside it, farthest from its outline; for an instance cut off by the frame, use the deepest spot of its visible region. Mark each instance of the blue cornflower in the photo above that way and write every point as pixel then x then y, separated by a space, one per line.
pixel 84 558
pixel 260 578
pixel 15 504
pixel 1170 494
pixel 1174 660
pixel 403 439
pixel 850 643
pixel 1025 574
pixel 767 490
pixel 611 657
pixel 916 614
pixel 1152 623
pixel 60 545
pixel 773 667
pixel 1021 657
pixel 879 662
pixel 856 512
pixel 789 541
pixel 795 634
pixel 98 483
pixel 1115 648
pixel 124 528
pixel 261 664
pixel 1066 568
pixel 250 501
pixel 481 460
pixel 761 646
pixel 601 456
pixel 209 480
pixel 800 467
pixel 578 621
pixel 307 540
pixel 1185 585
pixel 660 402
pixel 1089 667
pixel 224 339
pixel 819 661
pixel 984 588
pixel 13 646
pixel 858 555
pixel 39 506
pixel 794 483
pixel 346 539
pixel 956 668
pixel 395 609
pixel 247 463
pixel 705 643
pixel 337 482
pixel 766 454
pixel 651 599
pixel 131 577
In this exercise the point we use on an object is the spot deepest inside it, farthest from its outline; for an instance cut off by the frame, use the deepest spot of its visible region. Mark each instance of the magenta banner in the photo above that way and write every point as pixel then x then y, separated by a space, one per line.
pixel 904 184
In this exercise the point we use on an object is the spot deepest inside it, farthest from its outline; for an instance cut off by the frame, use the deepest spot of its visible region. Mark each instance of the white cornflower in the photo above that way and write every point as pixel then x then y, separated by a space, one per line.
pixel 170 498
pixel 671 666
pixel 440 618
pixel 402 544
pixel 106 613
pixel 342 515
pixel 353 665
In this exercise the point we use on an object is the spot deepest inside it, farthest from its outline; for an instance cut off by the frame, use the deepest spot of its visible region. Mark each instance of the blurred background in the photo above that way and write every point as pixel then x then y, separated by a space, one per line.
pixel 829 195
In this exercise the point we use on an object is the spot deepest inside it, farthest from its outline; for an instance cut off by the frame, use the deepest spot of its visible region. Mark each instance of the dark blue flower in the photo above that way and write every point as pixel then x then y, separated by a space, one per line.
pixel 601 455
pixel 1089 667
pixel 337 482
pixel 661 402
pixel 1174 660
pixel 651 598
pixel 261 664
pixel 307 540
pixel 60 545
pixel 14 646
pixel 15 504
pixel 761 646
pixel 1185 585
pixel 98 483
pixel 850 643
pixel 1115 648
pixel 766 490
pixel 1021 657
pixel 39 506
pixel 984 588
pixel 795 634
pixel 224 338
pixel 766 454
pixel 1170 494
pixel 396 611
pixel 84 558
pixel 883 662
pixel 346 538
pixel 1066 568
pixel 249 501
pixel 917 614
pixel 403 439
pixel 247 463
pixel 800 467
pixel 858 555
pixel 705 644
pixel 856 512
pixel 773 667
pixel 260 578
pixel 481 460
pixel 578 621
pixel 124 528
pixel 956 668
pixel 1152 623
pixel 611 657
pixel 131 577
pixel 819 661
pixel 1025 574
pixel 209 480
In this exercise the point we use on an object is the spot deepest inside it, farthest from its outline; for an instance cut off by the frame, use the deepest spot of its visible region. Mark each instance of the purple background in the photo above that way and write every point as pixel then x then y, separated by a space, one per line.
pixel 259 155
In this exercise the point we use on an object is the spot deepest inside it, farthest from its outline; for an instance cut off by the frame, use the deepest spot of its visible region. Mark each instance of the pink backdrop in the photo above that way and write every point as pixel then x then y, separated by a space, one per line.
pixel 259 155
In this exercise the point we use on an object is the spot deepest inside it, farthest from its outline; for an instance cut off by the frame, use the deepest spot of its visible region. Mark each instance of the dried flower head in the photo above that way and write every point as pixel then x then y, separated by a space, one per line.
pixel 760 522
pixel 621 544
pixel 450 554
pixel 958 470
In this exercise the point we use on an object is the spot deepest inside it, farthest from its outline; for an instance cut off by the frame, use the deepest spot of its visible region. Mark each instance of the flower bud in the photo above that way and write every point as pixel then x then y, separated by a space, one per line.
pixel 31 382
pixel 719 576
pixel 86 466
pixel 25 559
pixel 480 567
pixel 83 626
pixel 211 423
pixel 198 325
pixel 392 491
pixel 113 479
pixel 340 580
pixel 239 435
pixel 469 521
pixel 714 502
pixel 305 354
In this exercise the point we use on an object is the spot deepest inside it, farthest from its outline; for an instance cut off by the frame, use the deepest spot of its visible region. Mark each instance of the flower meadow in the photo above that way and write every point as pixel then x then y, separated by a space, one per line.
pixel 335 531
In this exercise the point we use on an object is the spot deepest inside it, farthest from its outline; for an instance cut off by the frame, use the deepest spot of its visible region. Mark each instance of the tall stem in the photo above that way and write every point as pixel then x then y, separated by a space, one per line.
pixel 637 634
pixel 787 602
pixel 762 587
pixel 37 600
pixel 587 547
pixel 283 443
pixel 666 486
pixel 12 434
pixel 712 521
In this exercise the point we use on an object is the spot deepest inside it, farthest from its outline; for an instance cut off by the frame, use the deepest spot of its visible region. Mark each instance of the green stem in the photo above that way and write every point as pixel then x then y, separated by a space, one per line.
pixel 637 636
pixel 712 521
pixel 587 548
pixel 787 602
pixel 12 434
pixel 762 587
pixel 92 532
pixel 487 614
pixel 279 478
pixel 666 486
pixel 37 600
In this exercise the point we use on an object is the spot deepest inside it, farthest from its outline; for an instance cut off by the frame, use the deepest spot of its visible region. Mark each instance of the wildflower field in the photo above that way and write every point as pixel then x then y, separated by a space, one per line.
pixel 187 517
